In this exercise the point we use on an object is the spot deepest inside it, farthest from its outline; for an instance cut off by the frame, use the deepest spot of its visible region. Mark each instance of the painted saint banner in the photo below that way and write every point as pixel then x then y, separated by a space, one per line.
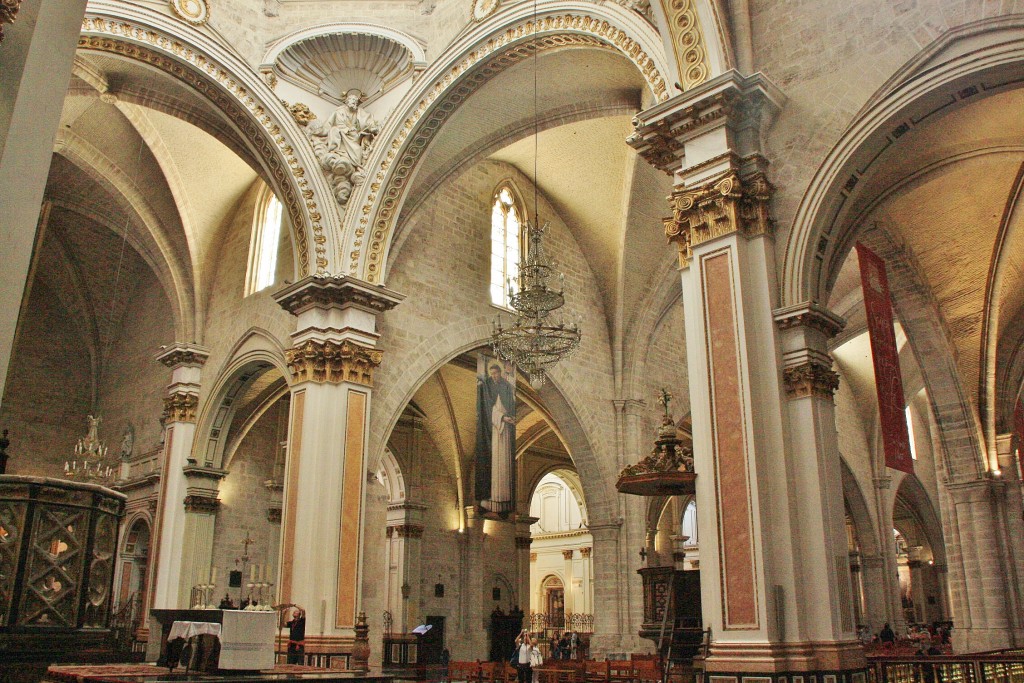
pixel 495 435
pixel 888 382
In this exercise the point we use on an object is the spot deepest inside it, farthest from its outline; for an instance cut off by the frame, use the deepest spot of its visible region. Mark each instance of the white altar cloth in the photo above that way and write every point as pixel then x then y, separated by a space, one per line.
pixel 187 629
pixel 247 640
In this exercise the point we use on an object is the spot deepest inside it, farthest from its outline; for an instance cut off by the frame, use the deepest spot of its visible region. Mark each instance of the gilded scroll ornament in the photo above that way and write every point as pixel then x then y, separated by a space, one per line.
pixel 8 13
pixel 688 41
pixel 719 207
pixel 331 361
pixel 810 379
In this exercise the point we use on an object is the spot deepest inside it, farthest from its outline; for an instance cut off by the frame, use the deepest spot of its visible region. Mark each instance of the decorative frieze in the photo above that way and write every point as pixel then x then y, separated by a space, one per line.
pixel 810 379
pixel 184 355
pixel 180 407
pixel 195 12
pixel 724 205
pixel 202 504
pixel 691 54
pixel 331 361
pixel 8 13
pixel 336 292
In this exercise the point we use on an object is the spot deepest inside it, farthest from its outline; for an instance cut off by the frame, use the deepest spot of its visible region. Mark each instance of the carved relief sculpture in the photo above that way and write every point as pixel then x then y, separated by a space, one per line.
pixel 342 143
pixel 8 13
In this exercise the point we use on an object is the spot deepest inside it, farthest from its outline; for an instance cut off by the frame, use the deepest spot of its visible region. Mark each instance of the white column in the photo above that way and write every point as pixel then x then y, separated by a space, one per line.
pixel 169 543
pixel 332 364
pixel 588 587
pixel 36 54
pixel 774 566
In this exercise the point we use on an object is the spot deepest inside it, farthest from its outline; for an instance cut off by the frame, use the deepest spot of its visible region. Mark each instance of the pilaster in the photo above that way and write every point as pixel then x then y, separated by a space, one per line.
pixel 332 363
pixel 775 581
pixel 175 540
pixel 405 531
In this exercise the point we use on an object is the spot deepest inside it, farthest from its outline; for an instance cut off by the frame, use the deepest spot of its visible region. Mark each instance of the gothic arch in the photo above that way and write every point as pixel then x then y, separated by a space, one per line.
pixel 980 57
pixel 220 76
pixel 488 49
pixel 256 353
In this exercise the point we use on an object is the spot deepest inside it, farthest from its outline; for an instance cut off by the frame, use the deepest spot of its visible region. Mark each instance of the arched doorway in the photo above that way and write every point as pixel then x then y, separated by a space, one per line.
pixel 134 558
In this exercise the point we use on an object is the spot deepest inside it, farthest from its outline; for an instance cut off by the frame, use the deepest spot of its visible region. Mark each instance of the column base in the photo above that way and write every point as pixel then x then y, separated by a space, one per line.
pixel 809 662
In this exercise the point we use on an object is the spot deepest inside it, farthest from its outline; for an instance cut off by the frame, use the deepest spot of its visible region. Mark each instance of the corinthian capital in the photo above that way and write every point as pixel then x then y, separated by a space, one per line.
pixel 180 407
pixel 810 379
pixel 333 361
pixel 720 206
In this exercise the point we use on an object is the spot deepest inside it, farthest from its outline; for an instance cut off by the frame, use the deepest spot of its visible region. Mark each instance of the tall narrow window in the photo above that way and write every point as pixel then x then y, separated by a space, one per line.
pixel 910 433
pixel 506 245
pixel 266 237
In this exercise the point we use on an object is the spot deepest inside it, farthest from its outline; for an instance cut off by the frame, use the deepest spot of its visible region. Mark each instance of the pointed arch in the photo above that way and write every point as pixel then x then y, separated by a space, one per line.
pixel 507 38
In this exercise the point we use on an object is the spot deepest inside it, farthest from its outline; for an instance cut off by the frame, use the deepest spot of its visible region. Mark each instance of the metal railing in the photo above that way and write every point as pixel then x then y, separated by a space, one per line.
pixel 559 621
pixel 1000 666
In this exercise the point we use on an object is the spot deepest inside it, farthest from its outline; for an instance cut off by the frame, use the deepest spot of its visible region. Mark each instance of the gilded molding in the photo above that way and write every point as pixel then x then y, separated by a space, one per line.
pixel 8 13
pixel 240 105
pixel 202 504
pixel 567 554
pixel 585 551
pixel 810 379
pixel 194 12
pixel 332 361
pixel 441 100
pixel 688 42
pixel 180 407
pixel 719 207
pixel 300 112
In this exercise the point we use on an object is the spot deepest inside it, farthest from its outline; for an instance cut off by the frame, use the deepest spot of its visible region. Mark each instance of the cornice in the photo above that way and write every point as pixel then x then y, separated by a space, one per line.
pixel 336 292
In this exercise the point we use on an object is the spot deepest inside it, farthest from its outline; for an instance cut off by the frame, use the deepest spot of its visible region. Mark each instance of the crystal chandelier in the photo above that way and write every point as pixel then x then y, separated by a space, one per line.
pixel 90 463
pixel 534 342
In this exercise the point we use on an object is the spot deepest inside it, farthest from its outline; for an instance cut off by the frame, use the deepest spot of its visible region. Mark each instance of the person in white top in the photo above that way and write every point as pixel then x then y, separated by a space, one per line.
pixel 523 646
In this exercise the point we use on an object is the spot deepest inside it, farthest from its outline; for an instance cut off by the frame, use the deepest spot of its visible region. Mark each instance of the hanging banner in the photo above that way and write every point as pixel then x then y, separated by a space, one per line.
pixel 888 382
pixel 495 436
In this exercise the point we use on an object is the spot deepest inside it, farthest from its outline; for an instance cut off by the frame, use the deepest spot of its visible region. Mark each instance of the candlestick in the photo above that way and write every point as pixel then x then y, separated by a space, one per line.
pixel 252 572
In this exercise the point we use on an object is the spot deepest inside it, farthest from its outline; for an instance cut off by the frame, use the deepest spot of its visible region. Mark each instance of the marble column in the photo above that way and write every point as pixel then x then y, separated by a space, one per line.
pixel 588 587
pixel 171 547
pixel 917 588
pixel 775 584
pixel 40 38
pixel 332 363
pixel 405 531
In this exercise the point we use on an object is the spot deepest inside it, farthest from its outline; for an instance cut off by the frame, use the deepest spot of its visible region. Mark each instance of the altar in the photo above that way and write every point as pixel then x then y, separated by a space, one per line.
pixel 246 637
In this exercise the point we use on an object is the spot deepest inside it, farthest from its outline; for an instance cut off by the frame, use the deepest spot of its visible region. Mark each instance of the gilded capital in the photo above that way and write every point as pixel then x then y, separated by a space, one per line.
pixel 8 13
pixel 721 206
pixel 333 361
pixel 810 379
pixel 180 407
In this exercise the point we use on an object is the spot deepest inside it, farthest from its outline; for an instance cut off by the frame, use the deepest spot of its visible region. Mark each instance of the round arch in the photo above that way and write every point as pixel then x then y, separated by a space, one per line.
pixel 973 59
pixel 254 112
pixel 507 38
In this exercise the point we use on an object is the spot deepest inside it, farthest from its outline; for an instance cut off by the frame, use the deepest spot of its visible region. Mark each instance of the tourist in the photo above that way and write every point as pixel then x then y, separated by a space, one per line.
pixel 523 646
pixel 887 635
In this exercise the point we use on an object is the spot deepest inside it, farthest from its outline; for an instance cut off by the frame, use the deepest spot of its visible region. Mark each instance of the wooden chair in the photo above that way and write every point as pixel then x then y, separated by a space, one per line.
pixel 595 671
pixel 621 671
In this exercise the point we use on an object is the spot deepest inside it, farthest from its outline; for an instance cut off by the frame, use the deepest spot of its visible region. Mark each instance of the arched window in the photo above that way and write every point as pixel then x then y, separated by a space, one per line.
pixel 689 524
pixel 263 248
pixel 506 244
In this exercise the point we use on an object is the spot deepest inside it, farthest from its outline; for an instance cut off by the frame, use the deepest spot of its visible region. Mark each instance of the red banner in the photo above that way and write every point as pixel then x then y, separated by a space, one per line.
pixel 888 382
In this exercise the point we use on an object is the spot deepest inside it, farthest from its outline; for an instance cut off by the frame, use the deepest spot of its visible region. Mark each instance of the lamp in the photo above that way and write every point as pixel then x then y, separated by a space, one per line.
pixel 90 463
pixel 535 341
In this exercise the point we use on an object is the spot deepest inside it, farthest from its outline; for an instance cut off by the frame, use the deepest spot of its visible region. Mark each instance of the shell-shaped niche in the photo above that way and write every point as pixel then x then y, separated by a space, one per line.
pixel 330 63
